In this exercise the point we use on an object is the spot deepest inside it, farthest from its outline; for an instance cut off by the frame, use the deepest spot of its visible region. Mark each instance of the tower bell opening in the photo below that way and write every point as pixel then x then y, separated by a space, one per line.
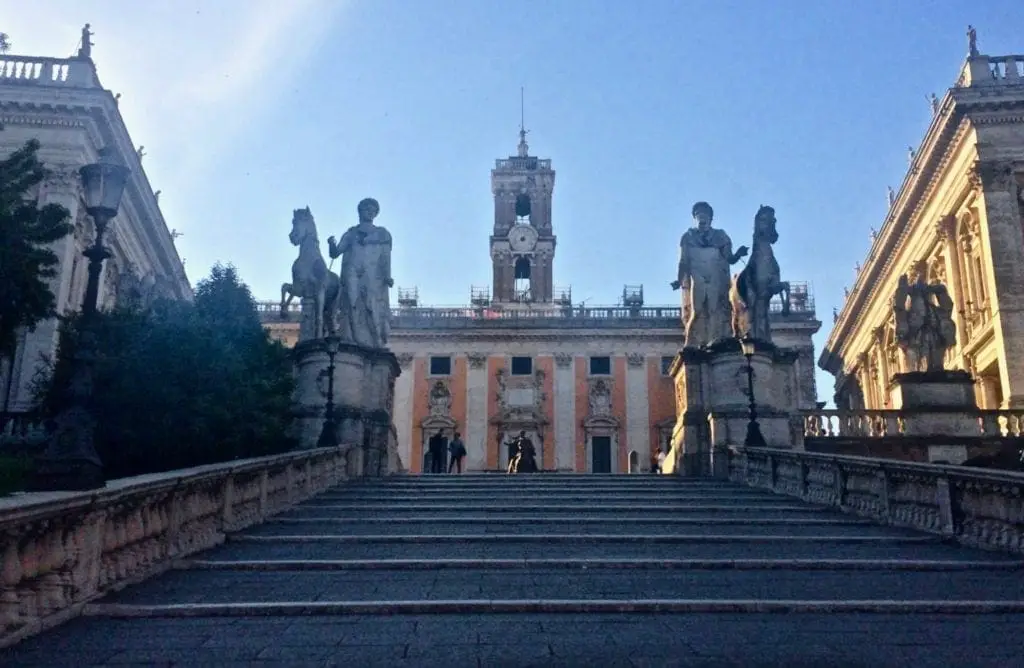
pixel 522 279
pixel 523 207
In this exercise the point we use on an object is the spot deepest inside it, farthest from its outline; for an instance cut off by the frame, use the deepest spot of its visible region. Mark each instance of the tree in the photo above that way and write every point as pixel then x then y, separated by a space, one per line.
pixel 26 263
pixel 5 42
pixel 183 384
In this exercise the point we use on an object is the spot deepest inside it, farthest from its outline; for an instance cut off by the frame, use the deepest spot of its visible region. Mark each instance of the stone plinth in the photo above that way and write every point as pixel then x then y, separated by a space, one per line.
pixel 714 409
pixel 364 381
pixel 936 403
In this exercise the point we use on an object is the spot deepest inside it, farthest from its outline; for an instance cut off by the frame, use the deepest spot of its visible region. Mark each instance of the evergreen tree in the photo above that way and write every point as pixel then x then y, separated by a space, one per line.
pixel 184 384
pixel 27 265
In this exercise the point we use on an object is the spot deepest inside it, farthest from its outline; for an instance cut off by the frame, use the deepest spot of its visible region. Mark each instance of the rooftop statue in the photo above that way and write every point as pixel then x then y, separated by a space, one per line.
pixel 365 279
pixel 705 255
pixel 311 278
pixel 754 287
pixel 85 48
pixel 924 321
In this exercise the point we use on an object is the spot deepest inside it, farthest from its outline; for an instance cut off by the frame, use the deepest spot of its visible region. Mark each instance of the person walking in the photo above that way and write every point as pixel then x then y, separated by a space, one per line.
pixel 456 451
pixel 436 447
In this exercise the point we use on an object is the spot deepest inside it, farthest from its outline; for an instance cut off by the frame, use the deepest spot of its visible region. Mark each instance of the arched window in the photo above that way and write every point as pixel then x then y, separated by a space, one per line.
pixel 523 206
pixel 522 277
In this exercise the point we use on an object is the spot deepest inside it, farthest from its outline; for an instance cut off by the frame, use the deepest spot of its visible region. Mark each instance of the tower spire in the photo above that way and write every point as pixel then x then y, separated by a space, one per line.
pixel 524 149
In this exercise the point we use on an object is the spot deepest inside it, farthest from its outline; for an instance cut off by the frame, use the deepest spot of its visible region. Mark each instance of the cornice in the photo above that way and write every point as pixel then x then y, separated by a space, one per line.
pixel 94 111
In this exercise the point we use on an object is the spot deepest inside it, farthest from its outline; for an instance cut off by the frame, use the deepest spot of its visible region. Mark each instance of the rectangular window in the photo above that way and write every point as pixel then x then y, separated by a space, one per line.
pixel 666 364
pixel 440 366
pixel 600 366
pixel 522 366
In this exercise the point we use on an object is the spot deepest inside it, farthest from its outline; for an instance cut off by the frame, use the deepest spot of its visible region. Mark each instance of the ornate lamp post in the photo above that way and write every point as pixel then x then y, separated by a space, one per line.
pixel 329 433
pixel 754 437
pixel 71 461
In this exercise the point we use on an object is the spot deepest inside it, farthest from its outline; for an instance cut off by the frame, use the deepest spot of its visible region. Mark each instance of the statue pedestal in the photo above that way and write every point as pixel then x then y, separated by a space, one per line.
pixel 936 403
pixel 364 387
pixel 713 407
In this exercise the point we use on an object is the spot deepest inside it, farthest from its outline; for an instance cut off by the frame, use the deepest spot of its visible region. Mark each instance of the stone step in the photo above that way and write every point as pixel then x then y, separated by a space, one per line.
pixel 431 527
pixel 684 512
pixel 438 506
pixel 548 539
pixel 637 499
pixel 223 586
pixel 886 565
pixel 279 548
pixel 470 519
pixel 741 637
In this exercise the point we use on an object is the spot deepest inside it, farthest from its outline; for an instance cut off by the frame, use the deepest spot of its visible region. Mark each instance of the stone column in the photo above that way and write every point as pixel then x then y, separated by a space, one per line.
pixel 1004 243
pixel 946 231
pixel 475 437
pixel 638 427
pixel 564 385
pixel 62 187
pixel 403 408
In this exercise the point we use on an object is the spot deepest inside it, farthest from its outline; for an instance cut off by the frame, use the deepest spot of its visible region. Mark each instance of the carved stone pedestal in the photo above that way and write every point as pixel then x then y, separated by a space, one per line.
pixel 939 404
pixel 364 388
pixel 713 406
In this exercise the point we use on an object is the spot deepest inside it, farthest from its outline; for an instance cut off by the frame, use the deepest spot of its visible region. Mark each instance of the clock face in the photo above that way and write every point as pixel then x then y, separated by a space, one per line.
pixel 522 238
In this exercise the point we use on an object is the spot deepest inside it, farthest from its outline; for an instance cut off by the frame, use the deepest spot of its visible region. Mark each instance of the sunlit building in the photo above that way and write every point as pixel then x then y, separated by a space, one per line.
pixel 588 384
pixel 959 216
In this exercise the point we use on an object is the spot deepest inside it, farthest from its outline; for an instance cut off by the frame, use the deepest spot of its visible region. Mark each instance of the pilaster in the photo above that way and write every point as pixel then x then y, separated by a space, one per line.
pixel 403 409
pixel 1004 243
pixel 638 428
pixel 565 413
pixel 477 391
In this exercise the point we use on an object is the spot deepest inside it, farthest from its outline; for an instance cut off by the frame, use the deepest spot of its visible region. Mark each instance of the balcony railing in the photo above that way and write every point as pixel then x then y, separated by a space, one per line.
pixel 46 71
pixel 825 423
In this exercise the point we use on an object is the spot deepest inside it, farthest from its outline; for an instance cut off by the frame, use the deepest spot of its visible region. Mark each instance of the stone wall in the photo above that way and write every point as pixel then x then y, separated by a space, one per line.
pixel 978 508
pixel 64 549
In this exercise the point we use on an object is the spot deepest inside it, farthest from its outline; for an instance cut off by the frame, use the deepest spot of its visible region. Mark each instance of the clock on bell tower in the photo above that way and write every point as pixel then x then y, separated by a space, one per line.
pixel 522 242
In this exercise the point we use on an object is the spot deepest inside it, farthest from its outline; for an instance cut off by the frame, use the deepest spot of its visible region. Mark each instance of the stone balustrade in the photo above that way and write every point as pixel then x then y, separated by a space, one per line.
pixel 64 549
pixel 976 507
pixel 25 70
pixel 831 423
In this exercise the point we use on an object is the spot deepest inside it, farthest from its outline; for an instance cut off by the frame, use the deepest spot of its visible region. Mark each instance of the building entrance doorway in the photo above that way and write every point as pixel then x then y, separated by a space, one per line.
pixel 601 454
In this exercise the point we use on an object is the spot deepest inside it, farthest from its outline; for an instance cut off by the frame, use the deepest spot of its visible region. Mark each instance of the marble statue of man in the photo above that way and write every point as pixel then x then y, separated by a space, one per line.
pixel 705 255
pixel 365 304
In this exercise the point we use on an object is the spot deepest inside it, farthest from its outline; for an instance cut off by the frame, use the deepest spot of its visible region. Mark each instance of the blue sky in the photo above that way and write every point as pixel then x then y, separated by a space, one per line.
pixel 251 108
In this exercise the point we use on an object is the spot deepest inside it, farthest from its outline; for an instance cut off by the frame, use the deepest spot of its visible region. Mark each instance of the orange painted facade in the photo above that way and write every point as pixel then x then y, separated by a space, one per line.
pixel 582 408
pixel 546 364
pixel 661 400
pixel 420 408
pixel 494 364
pixel 458 390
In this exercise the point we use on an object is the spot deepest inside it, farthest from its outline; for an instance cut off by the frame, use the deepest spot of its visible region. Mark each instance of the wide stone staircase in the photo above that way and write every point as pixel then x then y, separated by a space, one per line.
pixel 558 570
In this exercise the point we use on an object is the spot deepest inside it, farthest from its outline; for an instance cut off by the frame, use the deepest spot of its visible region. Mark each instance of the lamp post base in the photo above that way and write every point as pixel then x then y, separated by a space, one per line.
pixel 67 475
pixel 328 435
pixel 754 437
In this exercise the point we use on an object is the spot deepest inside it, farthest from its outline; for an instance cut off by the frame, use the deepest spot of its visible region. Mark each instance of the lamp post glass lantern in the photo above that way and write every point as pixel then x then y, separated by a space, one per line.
pixel 754 437
pixel 329 432
pixel 71 461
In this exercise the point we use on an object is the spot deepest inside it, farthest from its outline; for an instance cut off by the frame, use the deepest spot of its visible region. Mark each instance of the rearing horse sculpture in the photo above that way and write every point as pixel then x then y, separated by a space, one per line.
pixel 753 288
pixel 310 277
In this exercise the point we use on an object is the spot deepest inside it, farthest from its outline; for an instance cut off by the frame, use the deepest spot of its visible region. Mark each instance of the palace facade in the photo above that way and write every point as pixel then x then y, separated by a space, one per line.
pixel 959 216
pixel 589 385
pixel 60 102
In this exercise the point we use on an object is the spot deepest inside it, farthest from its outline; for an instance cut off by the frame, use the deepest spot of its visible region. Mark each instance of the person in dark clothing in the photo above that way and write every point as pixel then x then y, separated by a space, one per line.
pixel 457 450
pixel 436 447
pixel 526 456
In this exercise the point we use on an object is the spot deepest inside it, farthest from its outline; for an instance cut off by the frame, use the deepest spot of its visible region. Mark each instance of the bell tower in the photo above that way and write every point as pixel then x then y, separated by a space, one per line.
pixel 522 242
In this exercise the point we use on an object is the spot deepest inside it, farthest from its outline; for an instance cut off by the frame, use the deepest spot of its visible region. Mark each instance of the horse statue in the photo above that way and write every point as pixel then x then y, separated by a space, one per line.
pixel 753 288
pixel 310 277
